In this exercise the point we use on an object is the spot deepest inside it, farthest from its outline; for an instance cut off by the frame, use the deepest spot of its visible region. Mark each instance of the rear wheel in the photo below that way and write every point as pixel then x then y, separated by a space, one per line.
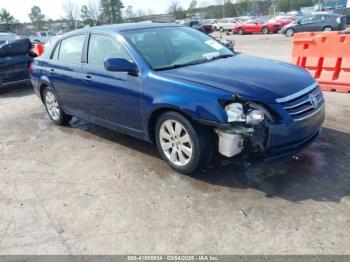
pixel 54 109
pixel 265 30
pixel 186 146
pixel 290 32
pixel 327 29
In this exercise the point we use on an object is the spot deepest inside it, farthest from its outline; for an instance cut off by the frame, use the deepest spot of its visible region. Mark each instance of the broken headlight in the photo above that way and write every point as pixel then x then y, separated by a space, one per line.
pixel 251 116
pixel 235 112
pixel 255 117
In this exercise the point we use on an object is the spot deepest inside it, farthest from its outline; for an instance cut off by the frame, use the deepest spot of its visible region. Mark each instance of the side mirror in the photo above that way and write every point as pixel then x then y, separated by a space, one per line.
pixel 120 65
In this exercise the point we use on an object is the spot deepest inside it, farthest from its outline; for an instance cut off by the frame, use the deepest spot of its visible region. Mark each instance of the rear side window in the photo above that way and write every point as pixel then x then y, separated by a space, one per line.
pixel 102 47
pixel 71 49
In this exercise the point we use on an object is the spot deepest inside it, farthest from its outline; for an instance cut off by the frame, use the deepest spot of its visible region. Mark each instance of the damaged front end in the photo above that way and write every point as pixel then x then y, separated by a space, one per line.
pixel 247 129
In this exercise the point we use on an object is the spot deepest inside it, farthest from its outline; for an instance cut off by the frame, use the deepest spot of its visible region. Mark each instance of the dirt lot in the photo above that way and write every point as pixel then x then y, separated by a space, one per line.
pixel 83 189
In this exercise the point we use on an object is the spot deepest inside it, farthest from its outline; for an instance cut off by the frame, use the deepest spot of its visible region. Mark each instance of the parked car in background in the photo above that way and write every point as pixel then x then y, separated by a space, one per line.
pixel 226 24
pixel 212 22
pixel 196 24
pixel 6 38
pixel 42 37
pixel 316 23
pixel 15 59
pixel 182 90
pixel 344 11
pixel 253 26
pixel 283 20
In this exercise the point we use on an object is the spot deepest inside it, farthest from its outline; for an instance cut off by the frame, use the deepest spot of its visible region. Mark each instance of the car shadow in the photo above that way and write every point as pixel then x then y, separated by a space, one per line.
pixel 320 173
pixel 16 90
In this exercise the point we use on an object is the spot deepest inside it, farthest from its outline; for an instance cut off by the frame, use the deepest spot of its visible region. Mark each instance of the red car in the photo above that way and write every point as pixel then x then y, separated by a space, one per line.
pixel 253 26
pixel 283 20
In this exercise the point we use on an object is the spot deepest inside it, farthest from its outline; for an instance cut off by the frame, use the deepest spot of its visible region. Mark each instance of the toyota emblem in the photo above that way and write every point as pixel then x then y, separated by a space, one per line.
pixel 313 100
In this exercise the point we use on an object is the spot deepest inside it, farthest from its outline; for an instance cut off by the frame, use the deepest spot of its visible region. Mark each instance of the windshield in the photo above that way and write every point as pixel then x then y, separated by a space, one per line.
pixel 171 47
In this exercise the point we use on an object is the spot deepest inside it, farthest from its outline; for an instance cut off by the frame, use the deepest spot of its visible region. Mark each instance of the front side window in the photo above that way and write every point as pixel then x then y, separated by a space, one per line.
pixel 102 47
pixel 170 47
pixel 71 49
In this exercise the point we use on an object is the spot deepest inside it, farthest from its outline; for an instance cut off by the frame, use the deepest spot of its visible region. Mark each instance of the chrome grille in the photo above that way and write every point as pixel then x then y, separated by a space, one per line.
pixel 304 103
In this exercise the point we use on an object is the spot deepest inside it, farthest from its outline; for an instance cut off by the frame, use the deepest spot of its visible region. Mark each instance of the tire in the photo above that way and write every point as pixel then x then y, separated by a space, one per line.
pixel 215 28
pixel 54 109
pixel 290 32
pixel 221 29
pixel 327 29
pixel 265 30
pixel 240 31
pixel 190 153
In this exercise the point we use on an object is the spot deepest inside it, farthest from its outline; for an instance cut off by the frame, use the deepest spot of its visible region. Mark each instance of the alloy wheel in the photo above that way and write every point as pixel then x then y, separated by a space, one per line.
pixel 290 32
pixel 175 142
pixel 52 105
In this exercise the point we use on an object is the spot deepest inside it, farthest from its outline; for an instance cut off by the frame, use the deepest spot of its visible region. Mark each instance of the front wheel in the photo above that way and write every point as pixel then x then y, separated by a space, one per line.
pixel 186 146
pixel 240 31
pixel 54 109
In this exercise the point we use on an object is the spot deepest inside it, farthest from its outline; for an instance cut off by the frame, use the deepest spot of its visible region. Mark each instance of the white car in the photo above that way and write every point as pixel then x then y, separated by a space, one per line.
pixel 6 38
pixel 212 22
pixel 226 24
pixel 41 37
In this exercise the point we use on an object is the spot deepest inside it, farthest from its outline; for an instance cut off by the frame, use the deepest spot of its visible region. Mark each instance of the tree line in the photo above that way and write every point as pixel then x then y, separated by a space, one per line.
pixel 229 8
pixel 98 12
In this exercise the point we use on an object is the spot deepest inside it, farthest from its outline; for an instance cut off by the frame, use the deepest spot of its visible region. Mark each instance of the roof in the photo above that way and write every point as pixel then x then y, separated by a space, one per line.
pixel 124 27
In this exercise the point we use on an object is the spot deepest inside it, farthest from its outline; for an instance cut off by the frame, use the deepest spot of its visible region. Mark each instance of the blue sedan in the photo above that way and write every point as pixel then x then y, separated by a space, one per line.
pixel 180 89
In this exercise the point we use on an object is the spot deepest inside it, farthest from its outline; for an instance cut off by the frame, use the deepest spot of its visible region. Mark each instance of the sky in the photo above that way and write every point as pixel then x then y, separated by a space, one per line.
pixel 54 8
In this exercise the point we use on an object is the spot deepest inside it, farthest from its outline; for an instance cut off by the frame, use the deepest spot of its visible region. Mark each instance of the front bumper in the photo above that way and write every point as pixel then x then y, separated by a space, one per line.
pixel 271 140
pixel 287 138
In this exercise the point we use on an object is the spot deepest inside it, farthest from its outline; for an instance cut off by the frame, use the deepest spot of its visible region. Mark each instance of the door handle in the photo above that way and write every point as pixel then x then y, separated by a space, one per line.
pixel 88 78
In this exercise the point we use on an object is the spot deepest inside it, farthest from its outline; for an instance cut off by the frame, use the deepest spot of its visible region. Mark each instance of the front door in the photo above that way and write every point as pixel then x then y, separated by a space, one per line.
pixel 113 97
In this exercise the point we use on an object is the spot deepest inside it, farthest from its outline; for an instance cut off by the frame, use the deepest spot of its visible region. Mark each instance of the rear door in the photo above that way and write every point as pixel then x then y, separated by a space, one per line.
pixel 65 72
pixel 319 21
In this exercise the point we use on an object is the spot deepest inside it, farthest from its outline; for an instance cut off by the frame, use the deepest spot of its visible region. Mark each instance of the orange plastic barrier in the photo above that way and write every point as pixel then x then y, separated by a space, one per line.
pixel 38 49
pixel 326 56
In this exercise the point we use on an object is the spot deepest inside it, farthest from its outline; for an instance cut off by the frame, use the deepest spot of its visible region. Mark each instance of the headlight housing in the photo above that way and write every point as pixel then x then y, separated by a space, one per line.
pixel 255 117
pixel 235 113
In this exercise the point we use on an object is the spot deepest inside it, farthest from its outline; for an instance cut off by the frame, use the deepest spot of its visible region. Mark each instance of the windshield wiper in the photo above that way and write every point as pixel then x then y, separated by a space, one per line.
pixel 199 61
pixel 221 56
pixel 173 66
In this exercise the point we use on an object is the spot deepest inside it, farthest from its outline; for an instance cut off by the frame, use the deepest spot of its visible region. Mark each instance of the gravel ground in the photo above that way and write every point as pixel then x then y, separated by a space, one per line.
pixel 83 189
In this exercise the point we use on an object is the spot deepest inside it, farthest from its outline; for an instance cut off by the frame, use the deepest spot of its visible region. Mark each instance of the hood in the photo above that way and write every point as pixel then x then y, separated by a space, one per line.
pixel 254 78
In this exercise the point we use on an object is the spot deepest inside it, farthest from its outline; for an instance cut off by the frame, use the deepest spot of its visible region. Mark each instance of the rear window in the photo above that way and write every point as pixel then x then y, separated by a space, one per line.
pixel 71 49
